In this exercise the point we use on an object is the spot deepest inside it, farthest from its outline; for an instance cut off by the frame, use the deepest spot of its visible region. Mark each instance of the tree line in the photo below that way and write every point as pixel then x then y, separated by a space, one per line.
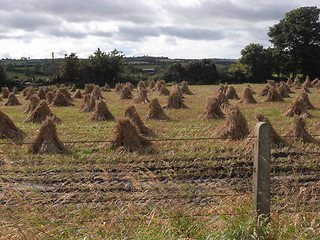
pixel 295 51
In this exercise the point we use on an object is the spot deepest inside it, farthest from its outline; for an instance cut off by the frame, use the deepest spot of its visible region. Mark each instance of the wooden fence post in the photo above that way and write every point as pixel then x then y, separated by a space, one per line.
pixel 261 170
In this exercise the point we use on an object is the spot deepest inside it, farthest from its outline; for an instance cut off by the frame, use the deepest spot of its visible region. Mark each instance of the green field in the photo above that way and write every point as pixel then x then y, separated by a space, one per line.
pixel 170 190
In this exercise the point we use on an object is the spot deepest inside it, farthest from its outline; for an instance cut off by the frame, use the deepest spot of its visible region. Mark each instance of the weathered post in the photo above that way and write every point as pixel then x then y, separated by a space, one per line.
pixel 261 170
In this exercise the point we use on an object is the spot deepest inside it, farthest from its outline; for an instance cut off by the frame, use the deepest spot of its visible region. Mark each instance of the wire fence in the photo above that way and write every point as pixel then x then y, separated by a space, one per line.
pixel 11 142
pixel 249 167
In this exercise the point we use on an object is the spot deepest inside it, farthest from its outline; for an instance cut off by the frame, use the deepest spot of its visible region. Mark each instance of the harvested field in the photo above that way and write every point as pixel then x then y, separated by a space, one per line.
pixel 184 189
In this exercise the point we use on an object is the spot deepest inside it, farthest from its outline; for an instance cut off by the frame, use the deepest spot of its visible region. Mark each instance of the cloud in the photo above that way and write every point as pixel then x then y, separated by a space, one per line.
pixel 227 13
pixel 75 10
pixel 181 28
pixel 137 33
pixel 193 33
pixel 20 20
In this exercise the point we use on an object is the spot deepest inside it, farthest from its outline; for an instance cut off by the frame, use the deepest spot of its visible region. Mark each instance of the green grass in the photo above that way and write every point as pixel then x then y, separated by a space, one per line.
pixel 167 191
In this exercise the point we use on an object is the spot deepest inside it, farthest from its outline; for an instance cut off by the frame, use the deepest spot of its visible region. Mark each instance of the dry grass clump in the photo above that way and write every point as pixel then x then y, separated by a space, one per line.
pixel 176 101
pixel 297 108
pixel 315 82
pixel 158 85
pixel 317 85
pixel 296 83
pixel 231 93
pixel 41 93
pixel 176 90
pixel 141 85
pixel 49 97
pixel 106 88
pixel 8 130
pixel 132 114
pixel 156 112
pixel 305 89
pixel 5 92
pixel 88 88
pixel 77 94
pixel 235 127
pixel 29 93
pixel 163 91
pixel 40 113
pixel 305 99
pixel 276 141
pixel 60 100
pixel 25 91
pixel 273 95
pixel 307 83
pixel 213 110
pixel 298 132
pixel 66 93
pixel 130 85
pixel 15 90
pixel 223 100
pixel 264 91
pixel 89 104
pixel 47 140
pixel 97 93
pixel 73 88
pixel 125 93
pixel 287 87
pixel 272 83
pixel 34 101
pixel 142 96
pixel 247 97
pixel 118 87
pixel 151 85
pixel 223 88
pixel 101 112
pixel 127 136
pixel 185 89
pixel 283 91
pixel 12 100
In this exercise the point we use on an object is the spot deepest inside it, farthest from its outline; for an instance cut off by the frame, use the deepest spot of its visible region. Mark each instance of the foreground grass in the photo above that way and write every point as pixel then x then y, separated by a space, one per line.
pixel 172 190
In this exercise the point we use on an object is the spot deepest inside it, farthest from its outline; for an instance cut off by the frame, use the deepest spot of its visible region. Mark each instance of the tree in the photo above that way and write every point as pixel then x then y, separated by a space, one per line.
pixel 202 72
pixel 297 37
pixel 106 67
pixel 258 61
pixel 237 73
pixel 3 75
pixel 195 72
pixel 70 68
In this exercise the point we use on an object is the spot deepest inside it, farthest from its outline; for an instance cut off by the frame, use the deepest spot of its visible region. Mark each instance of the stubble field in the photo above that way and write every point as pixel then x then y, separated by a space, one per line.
pixel 175 189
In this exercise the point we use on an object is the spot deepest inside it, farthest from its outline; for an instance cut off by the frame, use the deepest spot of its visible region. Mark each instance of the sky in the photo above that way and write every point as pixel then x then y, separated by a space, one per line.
pixel 190 29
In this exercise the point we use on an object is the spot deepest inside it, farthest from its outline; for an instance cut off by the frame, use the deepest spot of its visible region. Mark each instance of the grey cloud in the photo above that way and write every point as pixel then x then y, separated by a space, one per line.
pixel 75 10
pixel 26 21
pixel 6 36
pixel 67 33
pixel 139 33
pixel 193 33
pixel 248 11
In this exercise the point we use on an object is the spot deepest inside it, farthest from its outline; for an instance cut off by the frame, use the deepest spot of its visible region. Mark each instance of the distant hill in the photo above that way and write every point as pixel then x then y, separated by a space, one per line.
pixel 148 60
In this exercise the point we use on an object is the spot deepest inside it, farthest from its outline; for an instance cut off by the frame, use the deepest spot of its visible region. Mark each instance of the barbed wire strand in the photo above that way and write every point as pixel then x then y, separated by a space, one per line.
pixel 151 140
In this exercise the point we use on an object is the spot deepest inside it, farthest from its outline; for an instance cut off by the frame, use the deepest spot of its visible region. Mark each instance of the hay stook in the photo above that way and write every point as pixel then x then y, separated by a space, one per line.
pixel 127 137
pixel 47 140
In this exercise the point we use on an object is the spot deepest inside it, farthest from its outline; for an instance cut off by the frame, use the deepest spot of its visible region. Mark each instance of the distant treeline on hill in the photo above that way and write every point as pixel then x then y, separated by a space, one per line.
pixel 113 67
